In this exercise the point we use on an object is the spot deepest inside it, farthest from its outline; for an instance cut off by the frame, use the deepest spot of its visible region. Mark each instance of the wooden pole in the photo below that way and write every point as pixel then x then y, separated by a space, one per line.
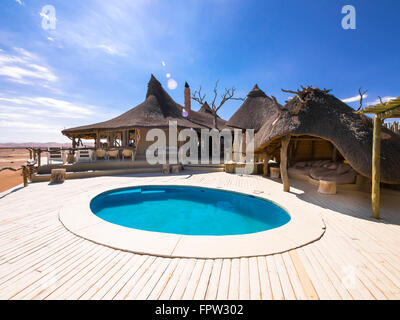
pixel 283 166
pixel 376 167
pixel 97 142
pixel 25 174
pixel 267 157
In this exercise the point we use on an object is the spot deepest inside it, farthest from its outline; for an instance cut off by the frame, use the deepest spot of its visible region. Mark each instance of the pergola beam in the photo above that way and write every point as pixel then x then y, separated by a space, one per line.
pixel 283 166
pixel 381 111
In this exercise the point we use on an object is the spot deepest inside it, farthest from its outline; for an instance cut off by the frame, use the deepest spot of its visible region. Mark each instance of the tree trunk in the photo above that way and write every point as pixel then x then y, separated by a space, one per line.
pixel 215 120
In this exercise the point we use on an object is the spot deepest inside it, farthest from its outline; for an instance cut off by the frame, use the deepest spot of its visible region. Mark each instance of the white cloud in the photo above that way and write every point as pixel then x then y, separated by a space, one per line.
pixel 354 99
pixel 42 119
pixel 24 67
pixel 108 49
pixel 24 125
pixel 378 101
pixel 50 106
pixel 20 2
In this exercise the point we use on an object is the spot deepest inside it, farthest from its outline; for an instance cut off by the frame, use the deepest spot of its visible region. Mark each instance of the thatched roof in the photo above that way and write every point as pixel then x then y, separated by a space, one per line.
pixel 325 116
pixel 155 112
pixel 206 108
pixel 255 110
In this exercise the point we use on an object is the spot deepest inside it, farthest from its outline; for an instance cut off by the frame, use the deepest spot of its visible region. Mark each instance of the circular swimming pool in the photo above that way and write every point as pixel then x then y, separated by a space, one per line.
pixel 188 210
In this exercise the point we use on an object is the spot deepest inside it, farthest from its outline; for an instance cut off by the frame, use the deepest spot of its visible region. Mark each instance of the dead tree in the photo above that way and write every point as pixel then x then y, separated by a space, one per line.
pixel 229 94
pixel 361 97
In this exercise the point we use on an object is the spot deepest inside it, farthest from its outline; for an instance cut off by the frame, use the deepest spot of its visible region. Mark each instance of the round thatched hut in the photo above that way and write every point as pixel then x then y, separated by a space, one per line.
pixel 255 111
pixel 315 126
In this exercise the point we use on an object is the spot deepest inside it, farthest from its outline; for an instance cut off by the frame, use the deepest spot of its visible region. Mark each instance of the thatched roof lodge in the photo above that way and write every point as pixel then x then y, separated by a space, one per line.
pixel 321 127
pixel 156 111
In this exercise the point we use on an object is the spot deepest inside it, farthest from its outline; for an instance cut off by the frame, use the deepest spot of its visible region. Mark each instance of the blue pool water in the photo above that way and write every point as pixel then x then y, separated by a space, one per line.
pixel 188 210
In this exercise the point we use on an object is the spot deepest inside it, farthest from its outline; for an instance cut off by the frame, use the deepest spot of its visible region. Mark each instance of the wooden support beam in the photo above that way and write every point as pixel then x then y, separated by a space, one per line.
pixel 97 141
pixel 25 175
pixel 283 166
pixel 267 157
pixel 376 167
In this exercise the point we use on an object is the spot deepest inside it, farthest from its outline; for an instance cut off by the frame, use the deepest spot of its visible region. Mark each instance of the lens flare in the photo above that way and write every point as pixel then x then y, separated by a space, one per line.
pixel 172 84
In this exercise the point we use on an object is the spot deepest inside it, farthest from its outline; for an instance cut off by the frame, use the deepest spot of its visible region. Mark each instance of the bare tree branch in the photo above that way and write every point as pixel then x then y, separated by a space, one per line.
pixel 290 91
pixel 361 97
pixel 229 94
pixel 215 96
pixel 198 97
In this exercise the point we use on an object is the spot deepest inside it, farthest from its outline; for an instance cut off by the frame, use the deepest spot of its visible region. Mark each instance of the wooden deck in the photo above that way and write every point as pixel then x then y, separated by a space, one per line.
pixel 357 258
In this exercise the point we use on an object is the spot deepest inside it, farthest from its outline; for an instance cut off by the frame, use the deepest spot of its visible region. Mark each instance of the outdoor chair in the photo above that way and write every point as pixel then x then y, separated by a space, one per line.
pixel 113 154
pixel 100 153
pixel 84 156
pixel 128 153
pixel 55 154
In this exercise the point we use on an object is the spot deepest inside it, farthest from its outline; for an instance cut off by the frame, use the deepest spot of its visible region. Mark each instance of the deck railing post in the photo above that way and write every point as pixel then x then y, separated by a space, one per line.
pixel 25 174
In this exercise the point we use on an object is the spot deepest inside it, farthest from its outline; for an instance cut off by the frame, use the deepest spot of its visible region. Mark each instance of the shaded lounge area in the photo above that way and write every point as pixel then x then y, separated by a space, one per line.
pixel 320 138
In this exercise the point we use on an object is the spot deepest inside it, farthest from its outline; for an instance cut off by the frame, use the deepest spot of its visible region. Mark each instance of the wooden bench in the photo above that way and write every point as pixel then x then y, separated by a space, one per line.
pixel 327 187
pixel 58 175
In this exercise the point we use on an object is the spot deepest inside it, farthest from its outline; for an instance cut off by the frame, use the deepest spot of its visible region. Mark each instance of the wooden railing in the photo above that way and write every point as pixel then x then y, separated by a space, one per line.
pixel 26 172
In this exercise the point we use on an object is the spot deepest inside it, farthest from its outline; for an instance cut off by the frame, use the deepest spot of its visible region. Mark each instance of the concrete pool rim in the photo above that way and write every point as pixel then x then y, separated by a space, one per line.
pixel 305 226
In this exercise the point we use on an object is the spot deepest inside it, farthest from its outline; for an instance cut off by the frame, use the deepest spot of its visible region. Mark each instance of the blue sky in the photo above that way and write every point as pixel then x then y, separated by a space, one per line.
pixel 97 61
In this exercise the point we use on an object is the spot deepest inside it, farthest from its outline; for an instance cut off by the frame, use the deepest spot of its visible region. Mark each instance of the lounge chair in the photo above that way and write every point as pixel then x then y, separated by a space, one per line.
pixel 84 156
pixel 55 154
pixel 113 154
pixel 128 153
pixel 100 153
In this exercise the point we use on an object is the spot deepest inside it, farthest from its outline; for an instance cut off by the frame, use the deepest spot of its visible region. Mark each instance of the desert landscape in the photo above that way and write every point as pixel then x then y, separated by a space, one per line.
pixel 13 158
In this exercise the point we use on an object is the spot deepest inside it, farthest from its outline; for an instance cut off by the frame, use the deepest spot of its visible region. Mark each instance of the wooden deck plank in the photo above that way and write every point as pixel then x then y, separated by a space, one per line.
pixel 114 280
pixel 254 280
pixel 223 285
pixel 194 280
pixel 234 285
pixel 204 280
pixel 212 289
pixel 35 248
pixel 265 284
pixel 162 282
pixel 173 281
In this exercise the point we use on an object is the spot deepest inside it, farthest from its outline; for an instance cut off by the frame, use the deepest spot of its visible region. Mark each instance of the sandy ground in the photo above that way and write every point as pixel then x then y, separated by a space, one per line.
pixel 11 158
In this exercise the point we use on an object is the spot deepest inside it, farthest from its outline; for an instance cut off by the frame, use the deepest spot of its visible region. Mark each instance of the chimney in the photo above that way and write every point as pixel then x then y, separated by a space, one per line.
pixel 187 99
